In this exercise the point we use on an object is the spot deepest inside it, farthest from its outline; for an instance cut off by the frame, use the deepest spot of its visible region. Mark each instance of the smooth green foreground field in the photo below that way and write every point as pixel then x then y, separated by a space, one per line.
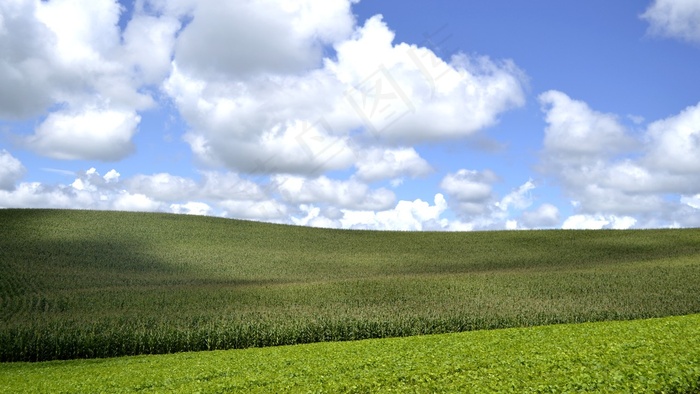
pixel 643 356
pixel 84 284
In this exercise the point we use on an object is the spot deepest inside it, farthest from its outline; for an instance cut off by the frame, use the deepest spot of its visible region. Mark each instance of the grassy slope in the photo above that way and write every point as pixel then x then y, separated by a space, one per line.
pixel 95 284
pixel 656 355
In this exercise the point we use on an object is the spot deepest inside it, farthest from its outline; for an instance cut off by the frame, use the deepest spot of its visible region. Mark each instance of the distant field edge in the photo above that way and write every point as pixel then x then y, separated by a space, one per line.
pixel 659 355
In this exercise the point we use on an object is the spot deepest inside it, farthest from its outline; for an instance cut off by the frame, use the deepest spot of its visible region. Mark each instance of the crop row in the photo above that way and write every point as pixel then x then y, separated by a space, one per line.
pixel 653 355
pixel 77 284
pixel 173 319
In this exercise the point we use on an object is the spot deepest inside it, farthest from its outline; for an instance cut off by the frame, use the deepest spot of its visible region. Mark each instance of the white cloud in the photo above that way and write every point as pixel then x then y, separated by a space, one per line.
pixel 36 195
pixel 400 90
pixel 111 176
pixel 575 132
pixel 546 215
pixel 85 30
pixel 471 196
pixel 213 186
pixel 243 38
pixel 597 222
pixel 580 149
pixel 251 81
pixel 170 8
pixel 378 164
pixel 674 18
pixel 613 175
pixel 518 199
pixel 315 217
pixel 69 55
pixel 303 116
pixel 86 55
pixel 25 61
pixel 692 201
pixel 406 215
pixel 268 125
pixel 163 187
pixel 229 186
pixel 320 202
pixel 95 134
pixel 11 170
pixel 92 181
pixel 469 191
pixel 674 142
pixel 264 210
pixel 125 201
pixel 89 190
pixel 192 208
pixel 148 46
pixel 349 194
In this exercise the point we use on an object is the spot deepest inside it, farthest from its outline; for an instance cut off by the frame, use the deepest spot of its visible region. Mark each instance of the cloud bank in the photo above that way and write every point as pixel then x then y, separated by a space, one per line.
pixel 296 112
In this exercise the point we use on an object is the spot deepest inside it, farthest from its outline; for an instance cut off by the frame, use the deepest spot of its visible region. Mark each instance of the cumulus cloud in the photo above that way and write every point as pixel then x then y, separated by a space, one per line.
pixel 313 216
pixel 517 199
pixel 275 95
pixel 674 18
pixel 192 208
pixel 163 186
pixel 674 142
pixel 36 195
pixel 349 194
pixel 91 180
pixel 692 201
pixel 419 215
pixel 469 191
pixel 406 215
pixel 399 90
pixel 614 176
pixel 25 61
pixel 11 170
pixel 264 126
pixel 379 164
pixel 242 38
pixel 546 215
pixel 213 194
pixel 94 134
pixel 472 197
pixel 89 190
pixel 125 201
pixel 71 57
pixel 311 115
pixel 213 186
pixel 575 132
pixel 597 222
pixel 269 210
pixel 580 148
pixel 148 45
pixel 320 202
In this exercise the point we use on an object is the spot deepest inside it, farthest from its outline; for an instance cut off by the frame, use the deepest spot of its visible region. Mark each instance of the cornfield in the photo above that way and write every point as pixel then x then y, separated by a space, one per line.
pixel 85 284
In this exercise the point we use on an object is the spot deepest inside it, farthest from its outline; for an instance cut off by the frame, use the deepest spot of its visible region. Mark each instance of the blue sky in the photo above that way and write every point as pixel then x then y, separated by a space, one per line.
pixel 442 115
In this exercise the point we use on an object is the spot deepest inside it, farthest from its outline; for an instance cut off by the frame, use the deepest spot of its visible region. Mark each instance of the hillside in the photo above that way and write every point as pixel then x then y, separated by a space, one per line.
pixel 639 356
pixel 77 284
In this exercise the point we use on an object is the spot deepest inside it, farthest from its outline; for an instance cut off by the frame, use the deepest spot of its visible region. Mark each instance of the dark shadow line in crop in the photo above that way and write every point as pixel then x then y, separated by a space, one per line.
pixel 80 249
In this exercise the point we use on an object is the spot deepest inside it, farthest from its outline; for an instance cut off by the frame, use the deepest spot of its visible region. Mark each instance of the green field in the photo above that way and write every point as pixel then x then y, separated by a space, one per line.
pixel 86 284
pixel 83 284
pixel 642 356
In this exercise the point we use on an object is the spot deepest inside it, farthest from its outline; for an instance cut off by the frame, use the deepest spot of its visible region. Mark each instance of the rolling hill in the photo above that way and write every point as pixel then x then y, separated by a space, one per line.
pixel 85 284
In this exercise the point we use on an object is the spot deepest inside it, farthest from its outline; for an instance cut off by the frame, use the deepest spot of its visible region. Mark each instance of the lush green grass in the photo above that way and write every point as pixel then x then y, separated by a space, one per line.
pixel 77 284
pixel 643 356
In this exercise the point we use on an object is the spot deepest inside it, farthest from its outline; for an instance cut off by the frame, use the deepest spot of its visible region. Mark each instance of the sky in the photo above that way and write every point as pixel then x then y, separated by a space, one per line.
pixel 386 115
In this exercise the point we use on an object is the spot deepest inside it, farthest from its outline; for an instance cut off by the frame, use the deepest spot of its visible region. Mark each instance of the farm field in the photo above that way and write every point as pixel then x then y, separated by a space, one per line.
pixel 641 356
pixel 85 284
